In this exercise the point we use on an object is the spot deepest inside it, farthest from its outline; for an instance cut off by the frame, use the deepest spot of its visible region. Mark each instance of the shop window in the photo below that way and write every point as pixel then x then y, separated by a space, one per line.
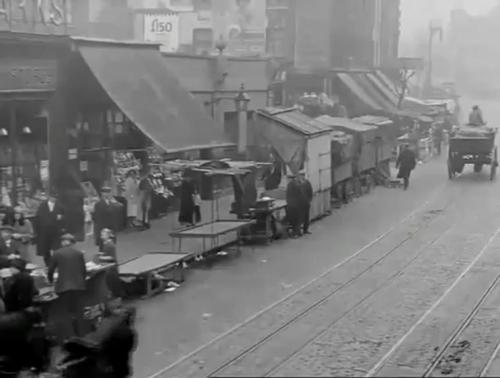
pixel 202 5
pixel 203 40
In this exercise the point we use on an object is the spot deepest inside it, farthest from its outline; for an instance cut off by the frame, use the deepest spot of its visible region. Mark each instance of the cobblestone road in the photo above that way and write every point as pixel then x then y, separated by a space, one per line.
pixel 390 306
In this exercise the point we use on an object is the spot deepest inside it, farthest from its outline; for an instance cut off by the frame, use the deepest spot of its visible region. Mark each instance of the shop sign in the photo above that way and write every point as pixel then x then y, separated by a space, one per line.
pixel 35 16
pixel 22 74
pixel 163 29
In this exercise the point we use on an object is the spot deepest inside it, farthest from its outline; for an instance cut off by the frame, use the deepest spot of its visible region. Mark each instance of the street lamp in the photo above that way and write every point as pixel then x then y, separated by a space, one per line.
pixel 435 28
pixel 241 102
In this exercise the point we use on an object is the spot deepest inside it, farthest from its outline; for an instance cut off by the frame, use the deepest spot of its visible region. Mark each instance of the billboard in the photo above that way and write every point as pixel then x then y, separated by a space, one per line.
pixel 164 29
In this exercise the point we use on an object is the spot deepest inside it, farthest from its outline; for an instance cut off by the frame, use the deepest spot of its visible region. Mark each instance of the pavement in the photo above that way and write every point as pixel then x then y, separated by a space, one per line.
pixel 217 298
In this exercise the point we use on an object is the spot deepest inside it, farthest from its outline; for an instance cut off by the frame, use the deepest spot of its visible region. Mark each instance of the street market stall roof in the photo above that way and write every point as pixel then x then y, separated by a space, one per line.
pixel 288 131
pixel 375 93
pixel 345 124
pixel 136 78
pixel 373 120
pixel 389 93
pixel 358 91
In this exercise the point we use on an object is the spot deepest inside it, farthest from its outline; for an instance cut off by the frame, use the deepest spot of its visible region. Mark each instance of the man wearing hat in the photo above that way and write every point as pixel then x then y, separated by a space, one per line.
pixel 69 262
pixel 20 287
pixel 294 204
pixel 104 215
pixel 306 199
pixel 48 226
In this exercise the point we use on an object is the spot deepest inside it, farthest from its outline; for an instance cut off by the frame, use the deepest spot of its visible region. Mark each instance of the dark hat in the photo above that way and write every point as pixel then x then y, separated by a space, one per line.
pixel 7 228
pixel 68 237
pixel 105 189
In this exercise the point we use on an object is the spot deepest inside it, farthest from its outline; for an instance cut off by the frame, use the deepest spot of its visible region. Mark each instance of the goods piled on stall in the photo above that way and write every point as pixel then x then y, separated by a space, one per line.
pixel 124 162
pixel 473 131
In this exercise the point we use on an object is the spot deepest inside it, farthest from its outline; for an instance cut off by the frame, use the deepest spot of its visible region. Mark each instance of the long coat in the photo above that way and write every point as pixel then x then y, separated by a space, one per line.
pixel 406 163
pixel 49 226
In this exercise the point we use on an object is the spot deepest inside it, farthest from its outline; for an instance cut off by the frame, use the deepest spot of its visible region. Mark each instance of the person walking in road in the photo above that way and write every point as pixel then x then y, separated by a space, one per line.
pixel 294 205
pixel 70 284
pixel 307 197
pixel 48 227
pixel 104 215
pixel 406 163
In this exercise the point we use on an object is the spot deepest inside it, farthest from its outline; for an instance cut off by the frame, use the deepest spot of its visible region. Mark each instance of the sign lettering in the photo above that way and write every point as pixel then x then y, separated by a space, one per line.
pixel 34 75
pixel 38 16
pixel 163 29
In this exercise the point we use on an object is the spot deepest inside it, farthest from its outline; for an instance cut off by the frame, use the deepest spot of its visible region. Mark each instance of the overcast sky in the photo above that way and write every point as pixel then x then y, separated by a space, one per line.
pixel 416 15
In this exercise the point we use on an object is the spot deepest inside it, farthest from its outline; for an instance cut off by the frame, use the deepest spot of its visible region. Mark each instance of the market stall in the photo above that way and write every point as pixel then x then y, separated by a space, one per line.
pixel 359 153
pixel 269 215
pixel 301 143
pixel 94 299
pixel 214 179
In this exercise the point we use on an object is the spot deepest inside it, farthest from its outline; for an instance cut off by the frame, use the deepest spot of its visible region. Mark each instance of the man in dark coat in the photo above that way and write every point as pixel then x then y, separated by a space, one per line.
pixel 71 281
pixel 20 288
pixel 406 163
pixel 294 204
pixel 104 215
pixel 307 197
pixel 48 226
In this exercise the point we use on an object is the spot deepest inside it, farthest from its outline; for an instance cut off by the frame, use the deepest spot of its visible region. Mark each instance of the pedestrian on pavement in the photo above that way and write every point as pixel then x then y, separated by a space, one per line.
pixel 70 285
pixel 437 138
pixel 146 192
pixel 197 206
pixel 131 194
pixel 186 211
pixel 294 204
pixel 307 197
pixel 23 233
pixel 105 215
pixel 48 226
pixel 406 163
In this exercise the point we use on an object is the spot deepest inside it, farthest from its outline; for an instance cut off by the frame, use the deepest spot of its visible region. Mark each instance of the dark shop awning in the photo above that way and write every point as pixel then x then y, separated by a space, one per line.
pixel 136 79
pixel 358 91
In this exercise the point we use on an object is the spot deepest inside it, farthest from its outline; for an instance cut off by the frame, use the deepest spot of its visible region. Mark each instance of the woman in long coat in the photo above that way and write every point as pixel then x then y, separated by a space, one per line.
pixel 186 212
pixel 131 194
pixel 406 163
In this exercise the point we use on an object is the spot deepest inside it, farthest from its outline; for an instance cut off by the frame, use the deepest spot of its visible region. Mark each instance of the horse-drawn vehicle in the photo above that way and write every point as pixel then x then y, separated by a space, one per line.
pixel 472 145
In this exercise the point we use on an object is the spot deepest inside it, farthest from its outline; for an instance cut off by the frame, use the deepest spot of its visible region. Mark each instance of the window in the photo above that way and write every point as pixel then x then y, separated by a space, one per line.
pixel 202 5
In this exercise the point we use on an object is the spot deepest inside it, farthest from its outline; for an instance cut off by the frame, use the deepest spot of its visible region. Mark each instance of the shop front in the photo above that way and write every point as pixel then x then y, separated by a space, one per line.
pixel 129 113
pixel 29 69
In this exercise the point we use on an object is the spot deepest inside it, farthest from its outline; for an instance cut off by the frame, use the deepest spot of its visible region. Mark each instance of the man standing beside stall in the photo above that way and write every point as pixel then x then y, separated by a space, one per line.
pixel 307 197
pixel 70 284
pixel 294 205
pixel 48 227
pixel 406 163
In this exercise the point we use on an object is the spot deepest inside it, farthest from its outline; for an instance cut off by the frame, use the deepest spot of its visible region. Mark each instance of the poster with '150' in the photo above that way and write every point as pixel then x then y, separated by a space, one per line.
pixel 163 29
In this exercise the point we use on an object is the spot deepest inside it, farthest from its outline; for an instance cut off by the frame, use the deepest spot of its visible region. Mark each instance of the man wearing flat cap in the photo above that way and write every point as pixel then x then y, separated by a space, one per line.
pixel 104 215
pixel 69 262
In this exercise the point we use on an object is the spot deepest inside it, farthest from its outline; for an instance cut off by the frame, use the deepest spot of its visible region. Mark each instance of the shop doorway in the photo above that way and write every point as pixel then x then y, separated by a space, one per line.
pixel 24 155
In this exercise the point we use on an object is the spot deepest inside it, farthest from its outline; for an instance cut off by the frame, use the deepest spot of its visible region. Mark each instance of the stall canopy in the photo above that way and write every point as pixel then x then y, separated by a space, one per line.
pixel 358 91
pixel 136 79
pixel 287 130
pixel 375 93
pixel 390 94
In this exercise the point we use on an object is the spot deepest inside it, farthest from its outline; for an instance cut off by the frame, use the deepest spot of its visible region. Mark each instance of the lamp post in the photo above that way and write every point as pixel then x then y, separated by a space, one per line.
pixel 435 28
pixel 241 101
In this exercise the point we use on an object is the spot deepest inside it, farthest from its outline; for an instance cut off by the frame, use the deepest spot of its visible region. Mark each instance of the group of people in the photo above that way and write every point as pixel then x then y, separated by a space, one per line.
pixel 299 195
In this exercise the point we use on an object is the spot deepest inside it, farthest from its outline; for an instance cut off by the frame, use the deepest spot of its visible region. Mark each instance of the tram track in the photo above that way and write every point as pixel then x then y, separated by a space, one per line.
pixel 446 355
pixel 471 336
pixel 427 219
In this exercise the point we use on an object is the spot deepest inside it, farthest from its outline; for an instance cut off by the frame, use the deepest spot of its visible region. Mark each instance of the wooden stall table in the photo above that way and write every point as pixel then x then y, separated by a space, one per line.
pixel 264 218
pixel 147 266
pixel 211 233
pixel 95 298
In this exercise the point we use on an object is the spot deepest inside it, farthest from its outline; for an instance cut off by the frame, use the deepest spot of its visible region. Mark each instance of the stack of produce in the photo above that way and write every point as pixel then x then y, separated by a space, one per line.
pixel 474 131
